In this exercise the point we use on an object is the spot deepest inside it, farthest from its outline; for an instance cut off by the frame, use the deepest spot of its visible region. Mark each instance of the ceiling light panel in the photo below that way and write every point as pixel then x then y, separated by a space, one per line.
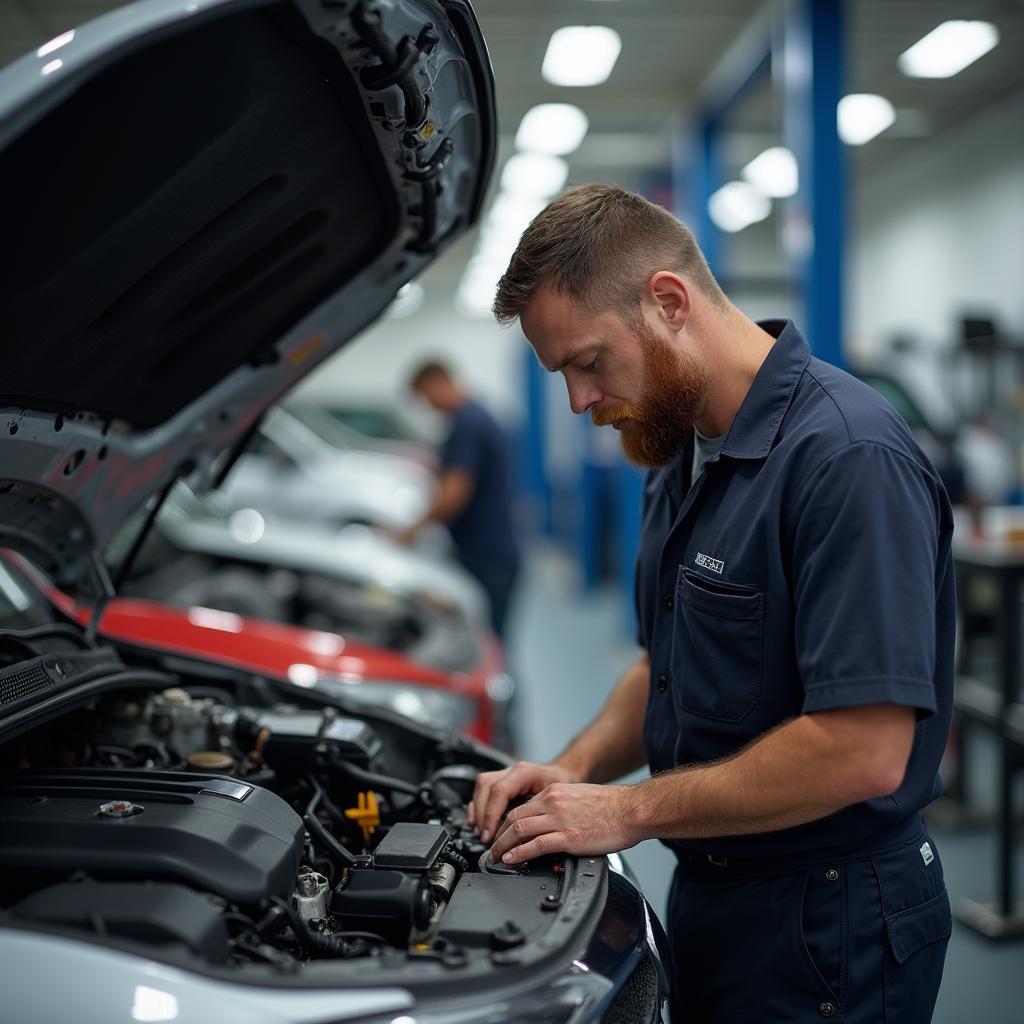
pixel 737 205
pixel 407 301
pixel 861 116
pixel 534 174
pixel 552 128
pixel 774 172
pixel 580 55
pixel 948 49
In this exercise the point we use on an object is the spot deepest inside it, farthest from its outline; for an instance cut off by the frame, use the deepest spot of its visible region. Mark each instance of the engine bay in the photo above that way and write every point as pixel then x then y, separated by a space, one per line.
pixel 223 825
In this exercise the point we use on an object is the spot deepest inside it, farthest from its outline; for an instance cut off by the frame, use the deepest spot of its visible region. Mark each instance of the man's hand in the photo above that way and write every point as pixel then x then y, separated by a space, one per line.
pixel 579 819
pixel 494 790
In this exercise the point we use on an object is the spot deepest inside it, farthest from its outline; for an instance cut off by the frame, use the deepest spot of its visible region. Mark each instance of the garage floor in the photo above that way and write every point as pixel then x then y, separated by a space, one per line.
pixel 566 649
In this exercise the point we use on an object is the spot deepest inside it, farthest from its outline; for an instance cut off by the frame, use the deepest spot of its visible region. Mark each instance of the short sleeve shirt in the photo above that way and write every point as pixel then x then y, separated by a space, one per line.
pixel 483 532
pixel 808 568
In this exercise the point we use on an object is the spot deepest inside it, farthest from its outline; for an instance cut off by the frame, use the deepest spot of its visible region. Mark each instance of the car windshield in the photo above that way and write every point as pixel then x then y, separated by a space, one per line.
pixel 326 427
pixel 378 423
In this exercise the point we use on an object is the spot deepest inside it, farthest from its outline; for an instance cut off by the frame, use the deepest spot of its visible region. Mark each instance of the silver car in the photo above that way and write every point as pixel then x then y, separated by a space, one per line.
pixel 292 471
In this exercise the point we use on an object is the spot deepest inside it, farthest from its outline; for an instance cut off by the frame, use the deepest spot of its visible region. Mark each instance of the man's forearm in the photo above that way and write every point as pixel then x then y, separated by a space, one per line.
pixel 613 745
pixel 803 770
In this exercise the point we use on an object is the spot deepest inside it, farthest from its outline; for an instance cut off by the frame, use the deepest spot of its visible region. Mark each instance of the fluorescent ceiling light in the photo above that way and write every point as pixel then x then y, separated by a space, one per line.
pixel 774 173
pixel 738 205
pixel 407 300
pixel 495 250
pixel 861 116
pixel 476 290
pixel 581 55
pixel 553 128
pixel 534 174
pixel 486 266
pixel 948 49
pixel 474 300
pixel 510 214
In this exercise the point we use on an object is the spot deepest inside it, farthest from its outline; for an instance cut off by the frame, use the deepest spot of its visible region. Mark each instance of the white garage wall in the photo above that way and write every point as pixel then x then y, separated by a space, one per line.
pixel 941 233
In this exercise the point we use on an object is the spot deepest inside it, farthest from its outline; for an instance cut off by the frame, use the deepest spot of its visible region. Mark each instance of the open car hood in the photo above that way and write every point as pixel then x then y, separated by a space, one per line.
pixel 203 200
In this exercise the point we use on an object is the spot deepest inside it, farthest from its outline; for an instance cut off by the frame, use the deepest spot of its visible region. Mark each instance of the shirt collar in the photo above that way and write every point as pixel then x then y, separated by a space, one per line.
pixel 758 419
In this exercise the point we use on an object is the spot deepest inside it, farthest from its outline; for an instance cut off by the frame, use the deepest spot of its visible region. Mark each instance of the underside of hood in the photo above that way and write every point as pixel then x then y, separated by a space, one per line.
pixel 202 201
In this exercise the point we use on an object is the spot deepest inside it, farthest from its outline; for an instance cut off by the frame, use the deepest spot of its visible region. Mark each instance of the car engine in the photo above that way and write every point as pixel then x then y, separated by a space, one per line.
pixel 189 821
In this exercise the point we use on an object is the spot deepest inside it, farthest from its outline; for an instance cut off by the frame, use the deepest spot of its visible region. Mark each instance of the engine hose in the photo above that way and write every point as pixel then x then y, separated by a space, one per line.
pixel 317 942
pixel 374 779
pixel 320 798
pixel 333 810
pixel 457 860
pixel 318 795
pixel 339 852
pixel 272 921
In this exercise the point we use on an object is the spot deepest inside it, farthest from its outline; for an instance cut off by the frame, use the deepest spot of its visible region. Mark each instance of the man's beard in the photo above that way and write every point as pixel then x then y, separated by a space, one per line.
pixel 673 388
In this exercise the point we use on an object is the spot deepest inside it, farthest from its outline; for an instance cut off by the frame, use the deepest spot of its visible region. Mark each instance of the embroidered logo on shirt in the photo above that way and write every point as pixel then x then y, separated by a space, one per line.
pixel 926 854
pixel 714 564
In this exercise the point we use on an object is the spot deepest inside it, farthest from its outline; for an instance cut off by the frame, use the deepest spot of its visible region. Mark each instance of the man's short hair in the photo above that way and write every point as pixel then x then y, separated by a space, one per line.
pixel 431 368
pixel 600 245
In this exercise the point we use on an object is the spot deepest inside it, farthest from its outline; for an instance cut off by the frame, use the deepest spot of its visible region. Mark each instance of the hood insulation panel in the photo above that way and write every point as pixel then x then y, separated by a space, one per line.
pixel 233 185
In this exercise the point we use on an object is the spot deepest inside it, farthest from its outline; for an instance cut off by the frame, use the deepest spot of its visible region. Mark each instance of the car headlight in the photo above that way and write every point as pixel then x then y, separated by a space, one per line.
pixel 422 703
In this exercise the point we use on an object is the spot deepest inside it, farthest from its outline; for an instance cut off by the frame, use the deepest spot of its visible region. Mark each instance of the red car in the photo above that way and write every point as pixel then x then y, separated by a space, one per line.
pixel 474 702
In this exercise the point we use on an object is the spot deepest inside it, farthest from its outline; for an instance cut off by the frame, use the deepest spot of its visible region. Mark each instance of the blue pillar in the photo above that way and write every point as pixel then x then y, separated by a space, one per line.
pixel 593 521
pixel 813 85
pixel 628 487
pixel 705 180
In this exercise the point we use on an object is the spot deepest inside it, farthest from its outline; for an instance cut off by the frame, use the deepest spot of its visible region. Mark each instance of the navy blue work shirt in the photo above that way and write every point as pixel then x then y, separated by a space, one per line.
pixel 483 531
pixel 808 568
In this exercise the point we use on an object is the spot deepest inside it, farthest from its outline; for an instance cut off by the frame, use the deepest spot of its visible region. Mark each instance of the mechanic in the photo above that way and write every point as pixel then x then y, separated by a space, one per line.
pixel 795 602
pixel 474 496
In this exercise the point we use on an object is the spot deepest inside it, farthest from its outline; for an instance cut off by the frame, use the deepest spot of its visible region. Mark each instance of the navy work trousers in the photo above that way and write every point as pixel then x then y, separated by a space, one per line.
pixel 498 580
pixel 859 939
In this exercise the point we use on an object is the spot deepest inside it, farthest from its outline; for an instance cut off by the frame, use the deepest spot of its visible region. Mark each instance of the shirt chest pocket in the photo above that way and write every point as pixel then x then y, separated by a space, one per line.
pixel 716 646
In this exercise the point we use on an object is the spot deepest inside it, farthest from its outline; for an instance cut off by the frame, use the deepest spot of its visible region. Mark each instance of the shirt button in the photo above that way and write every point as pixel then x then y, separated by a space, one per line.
pixel 831 874
pixel 667 601
pixel 662 684
pixel 827 1009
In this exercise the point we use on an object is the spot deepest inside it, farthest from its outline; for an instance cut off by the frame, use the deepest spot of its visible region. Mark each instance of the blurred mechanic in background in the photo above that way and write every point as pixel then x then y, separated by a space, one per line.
pixel 474 495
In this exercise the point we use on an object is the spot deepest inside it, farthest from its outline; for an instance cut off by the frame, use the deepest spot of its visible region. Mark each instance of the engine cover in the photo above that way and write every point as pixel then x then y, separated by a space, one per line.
pixel 156 913
pixel 212 833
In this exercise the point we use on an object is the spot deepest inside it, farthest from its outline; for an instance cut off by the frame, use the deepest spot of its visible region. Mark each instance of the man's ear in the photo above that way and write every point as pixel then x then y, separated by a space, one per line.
pixel 671 295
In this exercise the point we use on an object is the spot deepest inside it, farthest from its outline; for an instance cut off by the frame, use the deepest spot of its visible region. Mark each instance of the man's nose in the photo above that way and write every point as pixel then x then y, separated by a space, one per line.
pixel 581 396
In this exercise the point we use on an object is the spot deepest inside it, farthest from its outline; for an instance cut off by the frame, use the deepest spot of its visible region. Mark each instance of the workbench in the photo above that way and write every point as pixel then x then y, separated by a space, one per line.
pixel 998 707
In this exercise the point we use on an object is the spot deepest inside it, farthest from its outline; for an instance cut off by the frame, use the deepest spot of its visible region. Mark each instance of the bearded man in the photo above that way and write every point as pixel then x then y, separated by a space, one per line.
pixel 795 602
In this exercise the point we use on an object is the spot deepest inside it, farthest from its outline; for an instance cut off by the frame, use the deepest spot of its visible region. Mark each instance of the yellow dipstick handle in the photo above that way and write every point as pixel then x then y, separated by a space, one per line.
pixel 366 814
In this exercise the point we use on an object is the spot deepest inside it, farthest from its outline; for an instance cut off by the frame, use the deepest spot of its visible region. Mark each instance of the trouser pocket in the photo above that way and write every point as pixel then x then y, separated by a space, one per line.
pixel 823 931
pixel 744 954
pixel 918 923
